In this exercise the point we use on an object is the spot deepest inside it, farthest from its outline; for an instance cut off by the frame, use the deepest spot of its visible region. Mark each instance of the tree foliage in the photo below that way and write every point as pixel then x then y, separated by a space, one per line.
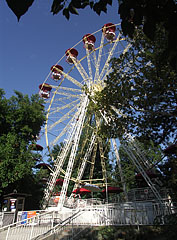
pixel 146 152
pixel 67 7
pixel 150 14
pixel 21 119
pixel 19 7
pixel 169 170
pixel 140 96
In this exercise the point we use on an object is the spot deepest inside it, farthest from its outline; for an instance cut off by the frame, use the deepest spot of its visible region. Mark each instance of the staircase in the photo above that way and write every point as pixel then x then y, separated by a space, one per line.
pixel 29 228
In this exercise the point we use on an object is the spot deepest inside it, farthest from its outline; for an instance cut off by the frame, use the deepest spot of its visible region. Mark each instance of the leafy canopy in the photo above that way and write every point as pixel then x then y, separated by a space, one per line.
pixel 140 96
pixel 21 119
pixel 150 14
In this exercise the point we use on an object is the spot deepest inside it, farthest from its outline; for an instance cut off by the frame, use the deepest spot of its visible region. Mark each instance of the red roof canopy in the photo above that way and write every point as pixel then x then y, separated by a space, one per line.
pixel 112 190
pixel 89 37
pixel 150 175
pixel 171 149
pixel 36 147
pixel 72 51
pixel 81 191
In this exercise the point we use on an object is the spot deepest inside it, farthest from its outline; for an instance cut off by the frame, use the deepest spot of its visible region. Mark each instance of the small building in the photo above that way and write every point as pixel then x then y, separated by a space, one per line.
pixel 14 202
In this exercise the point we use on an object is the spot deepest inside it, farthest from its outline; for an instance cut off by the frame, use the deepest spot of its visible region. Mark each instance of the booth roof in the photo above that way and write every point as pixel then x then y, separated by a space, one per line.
pixel 15 195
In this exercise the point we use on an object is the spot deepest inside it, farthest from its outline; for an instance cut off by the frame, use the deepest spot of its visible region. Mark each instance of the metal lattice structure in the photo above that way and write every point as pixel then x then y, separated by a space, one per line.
pixel 72 117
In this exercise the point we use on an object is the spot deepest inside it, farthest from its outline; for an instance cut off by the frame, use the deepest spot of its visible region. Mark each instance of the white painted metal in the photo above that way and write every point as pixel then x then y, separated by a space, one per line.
pixel 58 166
pixel 76 138
pixel 84 162
pixel 72 101
pixel 29 228
pixel 119 166
pixel 68 106
pixel 89 212
pixel 127 148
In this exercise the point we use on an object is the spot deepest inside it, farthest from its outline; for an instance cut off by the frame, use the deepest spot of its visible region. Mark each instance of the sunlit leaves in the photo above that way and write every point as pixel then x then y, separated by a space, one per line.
pixel 21 119
pixel 143 90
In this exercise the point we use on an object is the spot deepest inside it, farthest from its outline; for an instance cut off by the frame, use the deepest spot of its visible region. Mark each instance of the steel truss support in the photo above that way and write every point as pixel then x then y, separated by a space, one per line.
pixel 93 162
pixel 128 149
pixel 84 162
pixel 58 163
pixel 119 166
pixel 76 138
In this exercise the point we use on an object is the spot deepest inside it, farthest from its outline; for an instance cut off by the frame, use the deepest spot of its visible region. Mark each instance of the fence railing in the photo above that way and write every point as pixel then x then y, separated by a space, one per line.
pixel 29 227
pixel 110 214
pixel 145 194
pixel 66 224
pixel 75 220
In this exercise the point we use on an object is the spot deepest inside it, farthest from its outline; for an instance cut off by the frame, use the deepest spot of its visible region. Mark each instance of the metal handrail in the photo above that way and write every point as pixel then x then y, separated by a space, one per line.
pixel 42 226
pixel 23 222
pixel 58 227
pixel 29 226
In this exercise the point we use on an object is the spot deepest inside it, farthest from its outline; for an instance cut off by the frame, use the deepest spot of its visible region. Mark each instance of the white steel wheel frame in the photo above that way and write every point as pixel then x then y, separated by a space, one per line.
pixel 69 99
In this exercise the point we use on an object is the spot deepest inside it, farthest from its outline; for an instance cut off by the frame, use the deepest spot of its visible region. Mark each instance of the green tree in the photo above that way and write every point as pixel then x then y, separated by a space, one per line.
pixel 149 15
pixel 169 169
pixel 140 96
pixel 67 7
pixel 21 119
pixel 128 171
pixel 144 153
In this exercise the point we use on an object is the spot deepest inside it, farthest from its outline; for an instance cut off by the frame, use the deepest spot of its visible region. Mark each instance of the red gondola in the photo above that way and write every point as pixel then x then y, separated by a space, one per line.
pixel 43 165
pixel 44 90
pixel 81 191
pixel 89 41
pixel 71 55
pixel 36 147
pixel 59 181
pixel 151 175
pixel 56 72
pixel 112 190
pixel 44 180
pixel 109 31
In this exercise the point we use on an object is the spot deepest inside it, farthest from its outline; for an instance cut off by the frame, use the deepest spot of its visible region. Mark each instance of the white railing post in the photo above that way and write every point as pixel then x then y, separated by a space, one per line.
pixel 53 219
pixel 7 233
pixel 31 234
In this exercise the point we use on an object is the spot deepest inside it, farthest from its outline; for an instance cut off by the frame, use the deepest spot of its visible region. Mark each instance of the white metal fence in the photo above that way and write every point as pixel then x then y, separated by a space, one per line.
pixel 106 215
pixel 30 227
pixel 48 223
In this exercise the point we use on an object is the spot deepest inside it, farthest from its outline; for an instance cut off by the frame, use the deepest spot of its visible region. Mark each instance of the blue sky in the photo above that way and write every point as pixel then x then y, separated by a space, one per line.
pixel 30 47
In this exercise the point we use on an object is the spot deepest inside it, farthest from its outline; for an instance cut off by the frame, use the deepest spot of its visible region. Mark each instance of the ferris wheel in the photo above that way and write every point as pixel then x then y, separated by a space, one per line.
pixel 73 119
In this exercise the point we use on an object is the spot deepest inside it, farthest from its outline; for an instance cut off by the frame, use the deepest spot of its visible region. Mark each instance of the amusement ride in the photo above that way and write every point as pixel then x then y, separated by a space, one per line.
pixel 80 155
pixel 73 120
